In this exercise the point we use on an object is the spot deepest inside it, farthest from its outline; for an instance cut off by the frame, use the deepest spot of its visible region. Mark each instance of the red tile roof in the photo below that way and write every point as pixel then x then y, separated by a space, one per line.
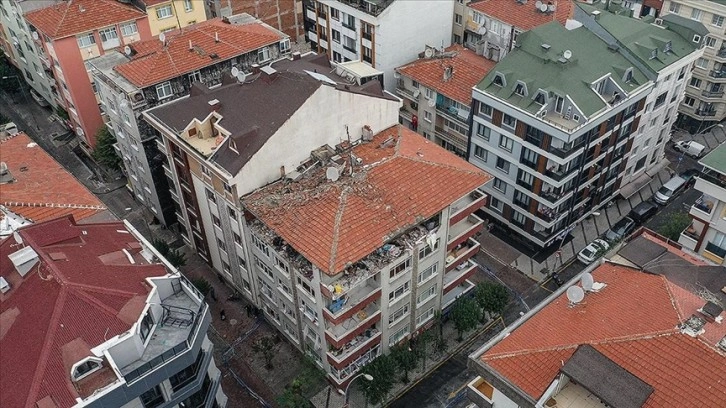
pixel 397 186
pixel 468 70
pixel 60 309
pixel 79 16
pixel 154 62
pixel 42 189
pixel 633 321
pixel 524 16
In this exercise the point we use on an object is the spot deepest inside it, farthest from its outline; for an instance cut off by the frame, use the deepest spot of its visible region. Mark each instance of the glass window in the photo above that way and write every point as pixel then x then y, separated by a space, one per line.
pixel 696 14
pixel 506 143
pixel 152 398
pixel 400 268
pixel 509 121
pixel 399 292
pixel 518 218
pixel 188 5
pixel 503 165
pixel 263 54
pixel 480 152
pixel 483 131
pixel 146 324
pixel 163 91
pixel 485 109
pixel 164 12
pixel 129 28
pixel 674 8
pixel 428 273
pixel 428 250
pixel 109 37
pixel 500 185
pixel 399 314
pixel 86 40
pixel 717 20
pixel 426 295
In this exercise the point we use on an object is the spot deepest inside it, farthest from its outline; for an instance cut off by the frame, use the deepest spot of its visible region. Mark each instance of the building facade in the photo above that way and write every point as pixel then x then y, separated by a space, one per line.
pixel 436 93
pixel 101 319
pixel 69 39
pixel 707 232
pixel 129 84
pixel 705 103
pixel 385 34
pixel 553 122
pixel 666 52
pixel 347 288
pixel 27 55
pixel 169 15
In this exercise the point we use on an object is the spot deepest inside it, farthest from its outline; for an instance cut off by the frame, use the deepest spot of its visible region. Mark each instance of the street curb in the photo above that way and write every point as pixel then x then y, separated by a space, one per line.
pixel 456 351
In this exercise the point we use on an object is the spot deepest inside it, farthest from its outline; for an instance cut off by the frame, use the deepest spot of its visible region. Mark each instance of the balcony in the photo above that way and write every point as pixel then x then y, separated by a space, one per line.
pixel 461 254
pixel 466 206
pixel 706 112
pixel 714 253
pixel 347 303
pixel 310 14
pixel 343 356
pixel 546 213
pixel 404 113
pixel 340 375
pixel 350 49
pixel 689 238
pixel 704 205
pixel 451 112
pixel 161 146
pixel 557 172
pixel 712 94
pixel 406 93
pixel 563 150
pixel 340 334
pixel 459 274
pixel 455 293
pixel 717 74
pixel 463 230
pixel 167 171
pixel 480 392
pixel 452 136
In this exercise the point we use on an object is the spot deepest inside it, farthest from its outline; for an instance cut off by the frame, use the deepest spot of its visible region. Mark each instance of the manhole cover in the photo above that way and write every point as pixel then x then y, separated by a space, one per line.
pixel 233 321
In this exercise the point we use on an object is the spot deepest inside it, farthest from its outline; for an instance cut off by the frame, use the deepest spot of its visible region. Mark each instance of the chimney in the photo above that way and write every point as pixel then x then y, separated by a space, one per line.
pixel 296 55
pixel 596 14
pixel 191 47
pixel 216 36
pixel 255 68
pixel 215 104
pixel 710 311
pixel 448 72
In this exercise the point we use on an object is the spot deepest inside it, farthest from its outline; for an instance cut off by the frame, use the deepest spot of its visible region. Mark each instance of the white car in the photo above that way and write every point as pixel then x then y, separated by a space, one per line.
pixel 593 251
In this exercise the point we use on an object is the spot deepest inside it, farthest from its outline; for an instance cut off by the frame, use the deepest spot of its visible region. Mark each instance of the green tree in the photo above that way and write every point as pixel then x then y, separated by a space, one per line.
pixel 674 225
pixel 267 347
pixel 174 256
pixel 202 285
pixel 421 346
pixel 439 339
pixel 8 85
pixel 104 152
pixel 405 358
pixel 491 297
pixel 465 316
pixel 383 370
pixel 62 113
pixel 293 396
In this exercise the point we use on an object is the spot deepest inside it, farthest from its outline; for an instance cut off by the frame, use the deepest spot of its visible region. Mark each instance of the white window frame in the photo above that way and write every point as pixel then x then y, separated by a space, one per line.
pixel 109 37
pixel 188 6
pixel 506 143
pixel 163 12
pixel 400 314
pixel 696 14
pixel 427 250
pixel 129 28
pixel 162 89
pixel 717 20
pixel 263 54
pixel 399 293
pixel 424 317
pixel 674 8
pixel 426 295
pixel 428 273
pixel 82 43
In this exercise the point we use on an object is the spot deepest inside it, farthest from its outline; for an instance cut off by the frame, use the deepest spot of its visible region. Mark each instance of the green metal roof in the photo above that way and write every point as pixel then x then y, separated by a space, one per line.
pixel 641 38
pixel 716 159
pixel 541 68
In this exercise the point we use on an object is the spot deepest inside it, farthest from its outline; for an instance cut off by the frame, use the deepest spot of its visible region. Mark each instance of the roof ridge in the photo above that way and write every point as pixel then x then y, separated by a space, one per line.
pixel 100 289
pixel 90 299
pixel 671 297
pixel 54 205
pixel 336 227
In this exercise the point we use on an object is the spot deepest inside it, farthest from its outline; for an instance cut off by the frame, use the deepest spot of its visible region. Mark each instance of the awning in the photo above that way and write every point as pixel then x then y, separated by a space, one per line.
pixel 634 186
pixel 657 168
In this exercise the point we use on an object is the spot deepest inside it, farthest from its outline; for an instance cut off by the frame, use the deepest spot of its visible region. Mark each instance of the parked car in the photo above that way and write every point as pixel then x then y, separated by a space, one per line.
pixel 641 212
pixel 593 251
pixel 691 148
pixel 670 189
pixel 620 229
pixel 9 128
pixel 690 176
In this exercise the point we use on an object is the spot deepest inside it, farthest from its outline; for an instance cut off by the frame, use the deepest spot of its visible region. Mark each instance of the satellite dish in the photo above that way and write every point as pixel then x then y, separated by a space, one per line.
pixel 432 103
pixel 127 50
pixel 241 77
pixel 332 174
pixel 235 71
pixel 567 54
pixel 575 294
pixel 162 38
pixel 79 131
pixel 429 52
pixel 34 34
pixel 543 8
pixel 538 5
pixel 17 238
pixel 396 74
pixel 587 281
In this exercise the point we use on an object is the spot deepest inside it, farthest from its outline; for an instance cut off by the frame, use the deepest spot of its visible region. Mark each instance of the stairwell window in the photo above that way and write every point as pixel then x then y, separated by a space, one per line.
pixel 696 14
pixel 109 38
pixel 86 40
pixel 129 29
pixel 263 55
pixel 164 12
pixel 400 292
pixel 163 91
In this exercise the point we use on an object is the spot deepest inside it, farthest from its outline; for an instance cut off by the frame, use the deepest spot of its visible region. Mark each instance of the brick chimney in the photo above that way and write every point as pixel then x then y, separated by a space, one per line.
pixel 215 104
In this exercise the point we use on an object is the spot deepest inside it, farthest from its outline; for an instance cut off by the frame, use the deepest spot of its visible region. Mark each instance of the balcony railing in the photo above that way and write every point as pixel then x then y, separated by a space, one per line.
pixel 467 205
pixel 559 174
pixel 462 230
pixel 406 93
pixel 368 36
pixel 717 74
pixel 716 250
pixel 705 204
pixel 340 334
pixel 712 94
pixel 706 112
pixel 461 253
pixel 459 274
pixel 714 177
pixel 453 113
pixel 358 343
pixel 404 113
pixel 547 214
pixel 348 48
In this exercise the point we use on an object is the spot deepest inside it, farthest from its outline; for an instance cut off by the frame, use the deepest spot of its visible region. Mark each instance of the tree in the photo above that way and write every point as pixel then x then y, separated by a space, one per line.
pixel 202 285
pixel 491 297
pixel 6 70
pixel 175 257
pixel 439 340
pixel 465 315
pixel 309 378
pixel 405 359
pixel 104 152
pixel 266 346
pixel 674 225
pixel 293 397
pixel 383 370
pixel 420 347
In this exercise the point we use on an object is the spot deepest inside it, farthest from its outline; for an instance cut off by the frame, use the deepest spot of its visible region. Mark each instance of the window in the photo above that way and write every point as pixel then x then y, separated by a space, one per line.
pixel 483 131
pixel 485 110
pixel 426 295
pixel 506 143
pixel 689 101
pixel 263 266
pixel 163 91
pixel 428 273
pixel 399 314
pixel 237 238
pixel 335 14
pixel 188 5
pixel 521 199
pixel 260 245
pixel 696 38
pixel 152 398
pixel 86 40
pixel 529 157
pixel 195 76
pixel 399 292
pixel 696 14
pixel 457 19
pixel 164 12
pixel 429 93
pixel 336 36
pixel 427 116
pixel 222 246
pixel 428 250
pixel 495 204
pixel 717 20
pixel 710 42
pixel 424 317
pixel 510 122
pixel 674 8
pixel 129 28
pixel 398 336
pixel 349 22
pixel 695 82
pixel 285 46
pixel 282 265
pixel 147 323
pixel 639 165
pixel 525 179
pixel 232 213
pixel 500 185
pixel 702 63
pixel 227 188
pixel 85 367
pixel 263 54
pixel 503 165
pixel 211 197
pixel 305 287
pixel 520 90
pixel 480 153
pixel 660 100
pixel 518 218
pixel 400 268
pixel 109 38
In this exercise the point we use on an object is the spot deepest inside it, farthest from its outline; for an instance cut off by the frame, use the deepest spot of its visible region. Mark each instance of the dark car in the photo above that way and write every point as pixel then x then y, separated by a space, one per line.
pixel 690 176
pixel 641 212
pixel 620 229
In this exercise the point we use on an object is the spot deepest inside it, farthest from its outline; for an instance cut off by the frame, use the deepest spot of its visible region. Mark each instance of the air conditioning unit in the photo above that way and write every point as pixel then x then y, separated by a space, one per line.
pixel 416 93
pixel 659 21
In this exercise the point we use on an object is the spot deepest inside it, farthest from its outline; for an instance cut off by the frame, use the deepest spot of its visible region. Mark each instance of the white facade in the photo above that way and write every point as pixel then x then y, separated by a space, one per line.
pixel 24 51
pixel 392 38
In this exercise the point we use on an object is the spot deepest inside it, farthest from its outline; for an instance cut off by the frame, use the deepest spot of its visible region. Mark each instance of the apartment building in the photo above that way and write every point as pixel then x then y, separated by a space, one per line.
pixel 285 15
pixel 223 143
pixel 706 235
pixel 355 254
pixel 705 103
pixel 491 27
pixel 152 72
pixel 553 122
pixel 384 34
pixel 21 50
pixel 581 362
pixel 436 93
pixel 169 15
pixel 666 52
pixel 94 316
pixel 73 32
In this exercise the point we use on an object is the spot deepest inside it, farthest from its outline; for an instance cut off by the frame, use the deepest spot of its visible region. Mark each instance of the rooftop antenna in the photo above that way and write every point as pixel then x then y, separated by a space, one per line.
pixel 575 294
pixel 587 281
pixel 350 150
pixel 162 38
